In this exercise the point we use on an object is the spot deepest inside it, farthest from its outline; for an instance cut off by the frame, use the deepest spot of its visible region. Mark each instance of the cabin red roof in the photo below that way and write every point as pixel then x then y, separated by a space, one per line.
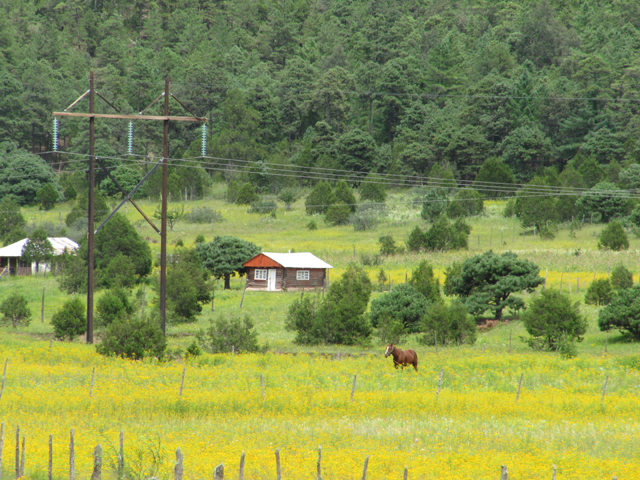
pixel 261 260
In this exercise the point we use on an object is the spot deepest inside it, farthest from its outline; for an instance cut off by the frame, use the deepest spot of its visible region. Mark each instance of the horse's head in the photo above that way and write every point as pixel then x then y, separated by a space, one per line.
pixel 389 350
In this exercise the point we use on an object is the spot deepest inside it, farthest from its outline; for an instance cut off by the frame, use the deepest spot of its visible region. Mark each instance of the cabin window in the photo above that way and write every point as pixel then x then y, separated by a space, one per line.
pixel 261 274
pixel 302 275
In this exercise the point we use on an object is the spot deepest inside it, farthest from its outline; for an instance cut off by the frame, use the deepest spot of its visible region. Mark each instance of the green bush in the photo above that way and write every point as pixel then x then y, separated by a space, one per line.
pixel 599 292
pixel 444 235
pixel 434 204
pixel 372 189
pixel 425 282
pixel 112 306
pixel 312 225
pixel 203 215
pixel 613 237
pixel 404 303
pixel 337 215
pixel 70 320
pixel 450 325
pixel 289 196
pixel 622 313
pixel 554 323
pixel 199 238
pixel 320 198
pixel 133 338
pixel 47 197
pixel 465 203
pixel 390 330
pixel 15 310
pixel 415 240
pixel 225 333
pixel 69 192
pixel 187 288
pixel 263 207
pixel 509 209
pixel 621 278
pixel 247 195
pixel 387 245
pixel 233 187
pixel 120 273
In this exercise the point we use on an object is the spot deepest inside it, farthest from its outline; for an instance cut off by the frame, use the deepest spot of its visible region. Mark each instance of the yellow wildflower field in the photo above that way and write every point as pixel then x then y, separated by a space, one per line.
pixel 395 417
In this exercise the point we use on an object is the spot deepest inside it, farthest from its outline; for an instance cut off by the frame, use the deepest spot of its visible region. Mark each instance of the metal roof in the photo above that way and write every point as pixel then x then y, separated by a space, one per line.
pixel 296 260
pixel 58 243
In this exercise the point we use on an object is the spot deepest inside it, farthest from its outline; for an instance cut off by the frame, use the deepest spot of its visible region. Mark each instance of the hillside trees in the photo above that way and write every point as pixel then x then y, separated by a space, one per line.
pixel 224 256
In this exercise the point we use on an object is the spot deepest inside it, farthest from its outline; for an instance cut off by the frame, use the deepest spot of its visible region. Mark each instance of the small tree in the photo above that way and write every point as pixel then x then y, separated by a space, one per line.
pixel 187 288
pixel 344 196
pixel 70 320
pixel 488 280
pixel 112 306
pixel 225 333
pixel 337 215
pixel 320 199
pixel 15 310
pixel 38 248
pixel 599 292
pixel 47 197
pixel 372 189
pixel 387 245
pixel 133 338
pixel 444 235
pixel 390 330
pixel 70 193
pixel 415 240
pixel 434 204
pixel 173 216
pixel 465 203
pixel 404 303
pixel 613 237
pixel 621 278
pixel 289 196
pixel 554 323
pixel 121 272
pixel 224 256
pixel 447 325
pixel 10 216
pixel 494 174
pixel 425 282
pixel 622 313
pixel 247 195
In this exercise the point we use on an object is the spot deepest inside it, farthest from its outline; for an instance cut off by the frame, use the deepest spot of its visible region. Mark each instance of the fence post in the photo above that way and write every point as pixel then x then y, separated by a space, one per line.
pixel 50 476
pixel 353 388
pixel 406 473
pixel 22 460
pixel 241 475
pixel 97 463
pixel 93 376
pixel 319 476
pixel 1 445
pixel 121 456
pixel 72 457
pixel 17 451
pixel 178 470
pixel 364 471
pixel 604 389
pixel 4 377
pixel 42 309
pixel 218 472
pixel 554 473
pixel 503 472
pixel 440 383
pixel 213 296
pixel 519 385
pixel 278 472
pixel 243 292
pixel 184 370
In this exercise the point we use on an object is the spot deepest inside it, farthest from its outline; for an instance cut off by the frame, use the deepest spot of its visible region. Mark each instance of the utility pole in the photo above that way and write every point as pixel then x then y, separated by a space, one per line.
pixel 166 118
pixel 91 211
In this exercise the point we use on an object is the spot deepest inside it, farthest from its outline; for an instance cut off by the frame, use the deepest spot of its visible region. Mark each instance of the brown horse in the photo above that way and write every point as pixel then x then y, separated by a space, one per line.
pixel 402 357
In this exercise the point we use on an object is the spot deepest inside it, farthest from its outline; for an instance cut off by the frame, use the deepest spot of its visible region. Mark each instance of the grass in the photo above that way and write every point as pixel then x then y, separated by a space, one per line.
pixel 472 428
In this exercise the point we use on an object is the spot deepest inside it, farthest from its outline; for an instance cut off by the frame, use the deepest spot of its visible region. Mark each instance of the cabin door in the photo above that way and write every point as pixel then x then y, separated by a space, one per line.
pixel 271 280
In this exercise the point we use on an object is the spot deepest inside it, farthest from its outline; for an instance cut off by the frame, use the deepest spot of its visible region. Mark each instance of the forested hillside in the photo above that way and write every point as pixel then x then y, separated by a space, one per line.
pixel 381 86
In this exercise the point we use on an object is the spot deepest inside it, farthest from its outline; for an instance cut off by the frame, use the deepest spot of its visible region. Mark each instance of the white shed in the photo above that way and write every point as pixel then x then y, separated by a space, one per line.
pixel 11 256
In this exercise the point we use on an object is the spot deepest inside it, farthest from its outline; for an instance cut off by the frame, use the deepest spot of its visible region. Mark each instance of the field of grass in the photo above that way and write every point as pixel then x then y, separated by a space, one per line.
pixel 395 417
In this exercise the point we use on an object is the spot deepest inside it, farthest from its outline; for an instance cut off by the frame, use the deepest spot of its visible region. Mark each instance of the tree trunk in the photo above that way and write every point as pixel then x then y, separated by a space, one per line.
pixel 227 279
pixel 498 314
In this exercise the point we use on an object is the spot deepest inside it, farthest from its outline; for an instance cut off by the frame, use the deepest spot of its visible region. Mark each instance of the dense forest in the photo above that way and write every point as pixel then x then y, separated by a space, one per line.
pixel 370 86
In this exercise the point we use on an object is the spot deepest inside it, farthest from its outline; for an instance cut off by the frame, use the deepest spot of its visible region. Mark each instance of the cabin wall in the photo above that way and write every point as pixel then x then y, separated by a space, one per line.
pixel 286 279
pixel 253 284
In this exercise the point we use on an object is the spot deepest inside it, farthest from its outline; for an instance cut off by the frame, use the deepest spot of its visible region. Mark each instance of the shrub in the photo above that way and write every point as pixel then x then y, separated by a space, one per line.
pixel 554 323
pixel 623 312
pixel 344 196
pixel 112 306
pixel 599 292
pixel 179 243
pixel 227 332
pixel 119 273
pixel 193 350
pixel 370 260
pixel 263 207
pixel 466 203
pixel 372 189
pixel 15 310
pixel 288 196
pixel 203 215
pixel 133 338
pixel 425 282
pixel 415 240
pixel 199 238
pixel 70 320
pixel 364 219
pixel 387 245
pixel 187 288
pixel 340 318
pixel 613 237
pixel 404 303
pixel 621 278
pixel 247 195
pixel 232 191
pixel 607 200
pixel 337 215
pixel 390 329
pixel 509 209
pixel 434 204
pixel 320 198
pixel 634 217
pixel 47 197
pixel 312 225
pixel 452 275
pixel 70 193
pixel 444 235
pixel 448 325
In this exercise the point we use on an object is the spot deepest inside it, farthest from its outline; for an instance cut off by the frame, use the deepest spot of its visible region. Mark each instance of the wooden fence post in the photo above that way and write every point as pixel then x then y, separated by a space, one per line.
pixel 22 459
pixel 440 383
pixel 178 470
pixel 97 463
pixel 435 338
pixel 72 457
pixel 17 451
pixel 1 445
pixel 243 292
pixel 50 476
pixel 241 475
pixel 406 473
pixel 262 386
pixel 554 473
pixel 4 377
pixel 218 472
pixel 319 475
pixel 519 385
pixel 184 370
pixel 503 472
pixel 353 388
pixel 93 376
pixel 364 471
pixel 121 455
pixel 278 471
pixel 42 309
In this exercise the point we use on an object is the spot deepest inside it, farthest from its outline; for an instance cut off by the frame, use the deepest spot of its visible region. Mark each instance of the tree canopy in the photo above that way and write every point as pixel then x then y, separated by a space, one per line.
pixel 224 256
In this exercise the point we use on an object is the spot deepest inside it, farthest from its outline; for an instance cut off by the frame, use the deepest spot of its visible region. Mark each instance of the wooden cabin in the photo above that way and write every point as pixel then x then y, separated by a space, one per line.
pixel 285 271
pixel 11 262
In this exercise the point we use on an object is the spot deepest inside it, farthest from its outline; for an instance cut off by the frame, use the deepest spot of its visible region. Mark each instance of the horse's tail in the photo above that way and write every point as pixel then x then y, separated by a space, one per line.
pixel 415 361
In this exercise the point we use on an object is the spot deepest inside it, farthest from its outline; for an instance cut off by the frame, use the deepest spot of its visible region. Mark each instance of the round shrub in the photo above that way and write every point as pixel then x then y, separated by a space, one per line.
pixel 70 321
pixel 599 292
pixel 621 278
pixel 613 237
pixel 112 306
pixel 450 325
pixel 466 203
pixel 133 339
pixel 224 334
pixel 404 303
pixel 15 311
pixel 623 312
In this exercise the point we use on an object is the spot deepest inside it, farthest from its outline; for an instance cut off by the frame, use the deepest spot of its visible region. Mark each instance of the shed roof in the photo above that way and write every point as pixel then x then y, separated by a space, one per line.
pixel 59 244
pixel 287 260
